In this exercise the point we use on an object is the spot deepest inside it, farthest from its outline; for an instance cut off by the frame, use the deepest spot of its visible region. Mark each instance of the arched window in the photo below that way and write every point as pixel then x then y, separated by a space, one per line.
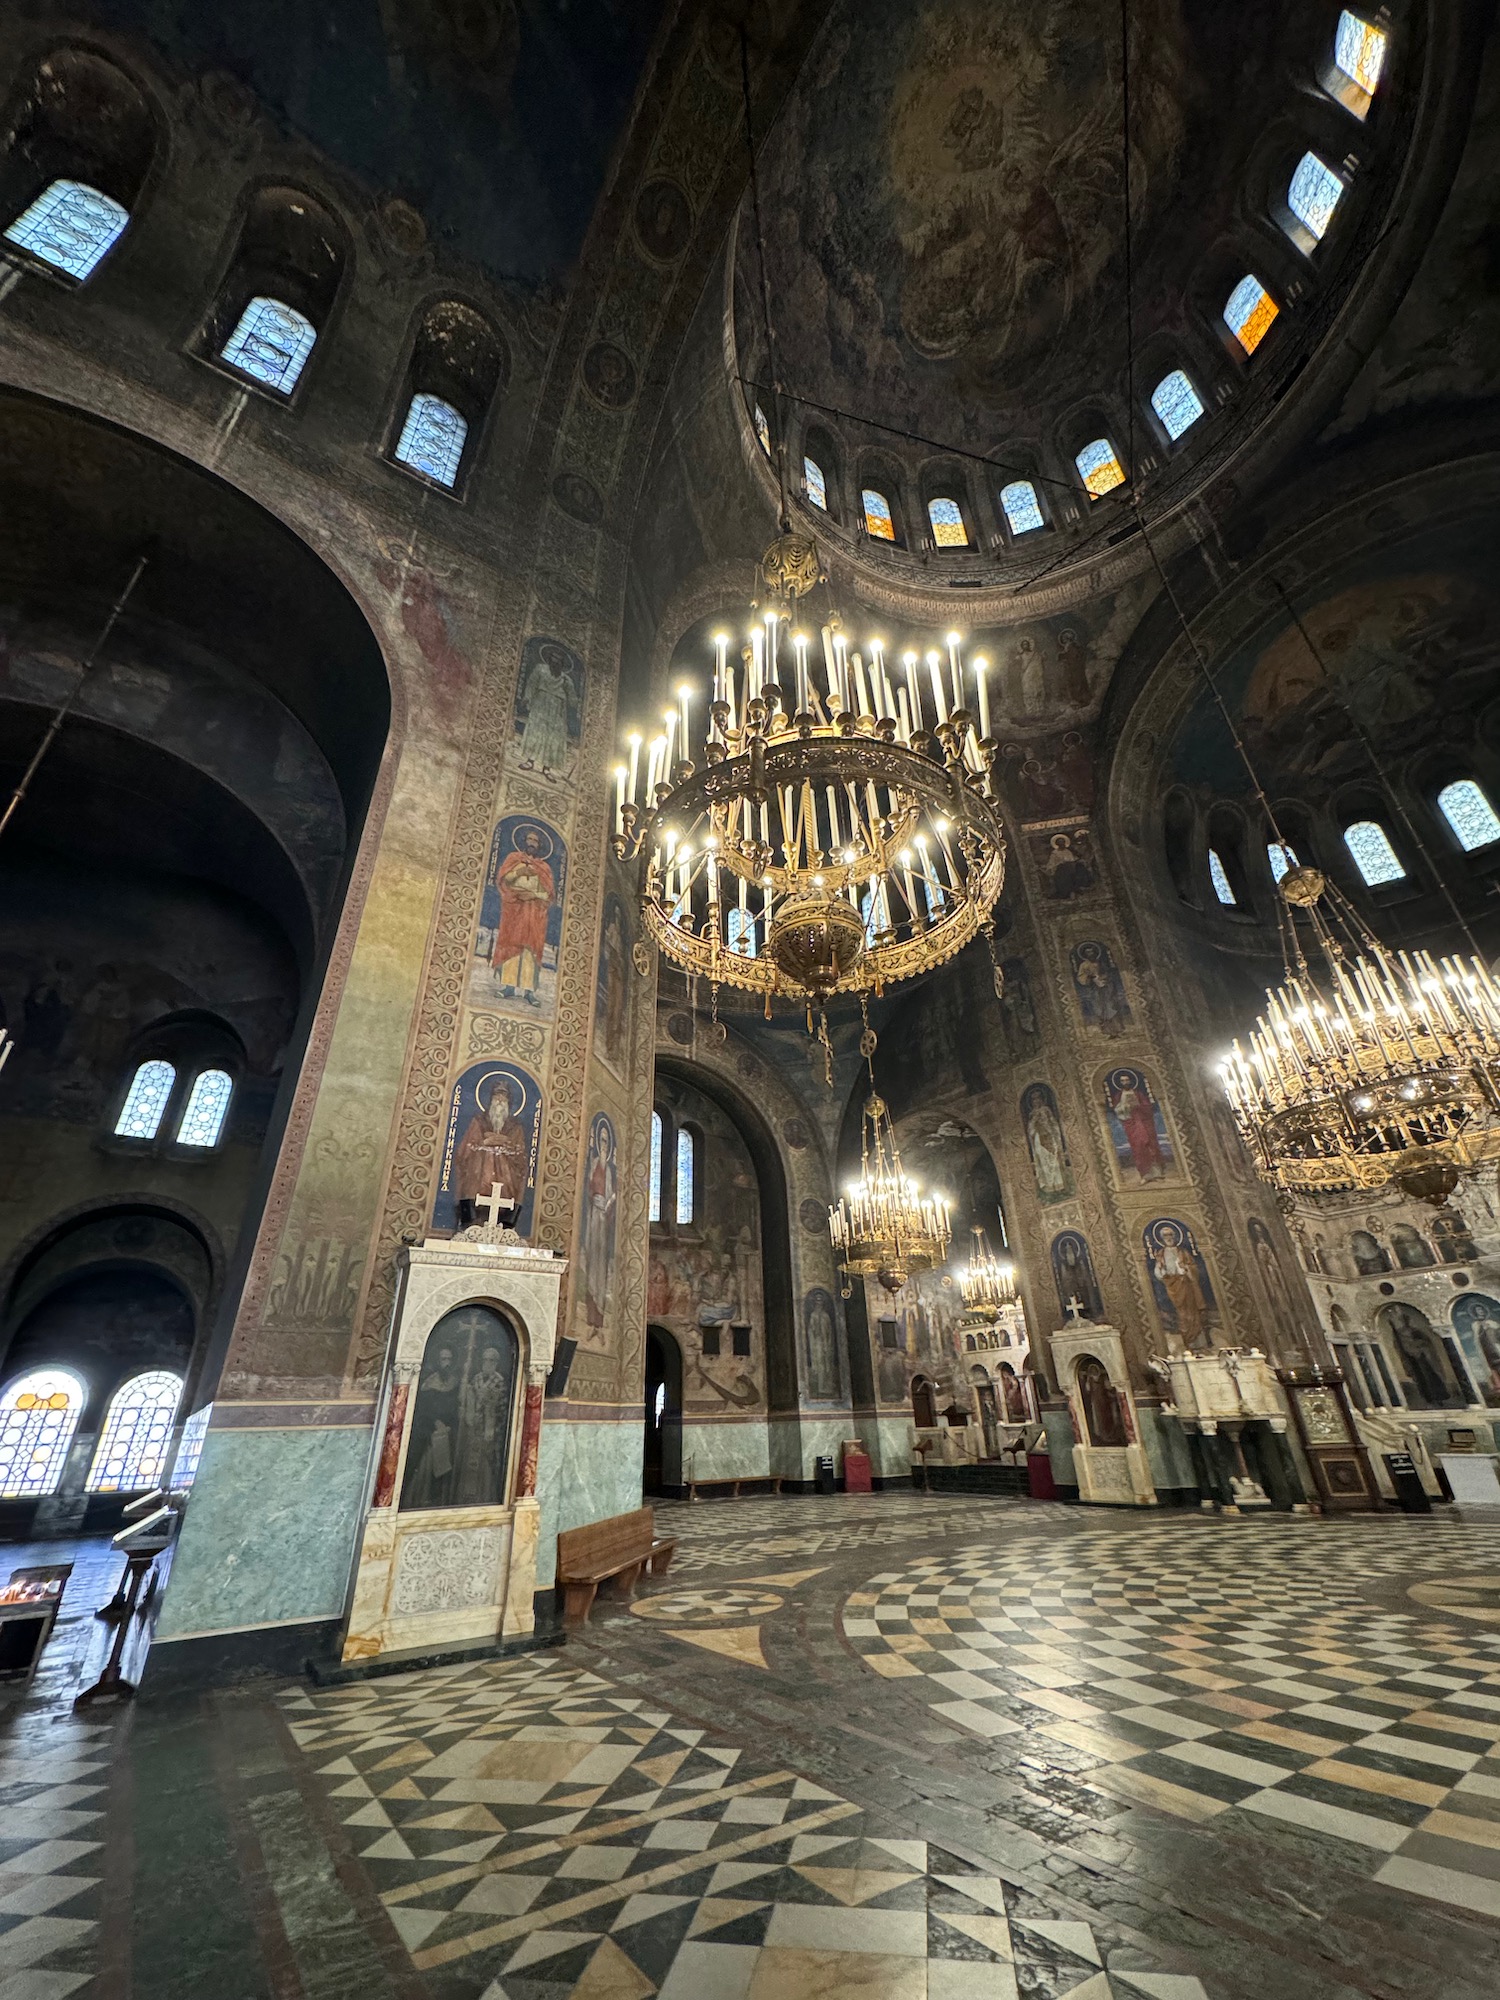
pixel 1358 58
pixel 1281 859
pixel 656 1139
pixel 947 518
pixel 1100 469
pixel 687 1164
pixel 815 484
pixel 1374 856
pixel 763 430
pixel 146 1100
pixel 203 1120
pixel 741 932
pixel 1177 403
pixel 1469 813
pixel 879 520
pixel 1249 312
pixel 1220 879
pixel 432 439
pixel 1019 504
pixel 70 226
pixel 38 1416
pixel 270 343
pixel 190 1449
pixel 131 1456
pixel 1314 194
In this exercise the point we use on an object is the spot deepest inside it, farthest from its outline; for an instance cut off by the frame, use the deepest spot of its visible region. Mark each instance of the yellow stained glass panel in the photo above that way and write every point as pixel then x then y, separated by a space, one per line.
pixel 1101 469
pixel 948 530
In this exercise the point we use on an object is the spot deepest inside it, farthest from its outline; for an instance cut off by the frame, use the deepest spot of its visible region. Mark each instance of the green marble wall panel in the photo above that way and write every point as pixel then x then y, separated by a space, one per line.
pixel 1167 1449
pixel 1059 1429
pixel 725 1451
pixel 585 1472
pixel 270 1531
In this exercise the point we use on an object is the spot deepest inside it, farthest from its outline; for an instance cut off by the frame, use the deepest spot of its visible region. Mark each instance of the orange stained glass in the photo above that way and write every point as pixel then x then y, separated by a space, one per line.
pixel 948 530
pixel 878 519
pixel 1359 51
pixel 1250 313
pixel 1101 469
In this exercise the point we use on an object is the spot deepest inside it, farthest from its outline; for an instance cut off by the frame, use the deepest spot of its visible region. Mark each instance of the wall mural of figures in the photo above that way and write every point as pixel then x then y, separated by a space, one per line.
pixel 1073 1268
pixel 1045 1141
pixel 1180 1282
pixel 549 708
pixel 596 1235
pixel 820 1343
pixel 1476 1321
pixel 1430 1376
pixel 461 1414
pixel 1018 1020
pixel 491 1136
pixel 1065 862
pixel 1137 1128
pixel 1263 1249
pixel 520 919
pixel 612 987
pixel 1050 780
pixel 1100 989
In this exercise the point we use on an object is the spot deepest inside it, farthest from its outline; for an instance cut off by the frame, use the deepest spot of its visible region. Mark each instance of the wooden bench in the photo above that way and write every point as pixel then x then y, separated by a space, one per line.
pixel 612 1552
pixel 771 1480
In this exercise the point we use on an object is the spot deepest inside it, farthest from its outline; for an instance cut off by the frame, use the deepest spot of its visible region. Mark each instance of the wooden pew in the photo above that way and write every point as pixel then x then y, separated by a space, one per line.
pixel 770 1480
pixel 612 1552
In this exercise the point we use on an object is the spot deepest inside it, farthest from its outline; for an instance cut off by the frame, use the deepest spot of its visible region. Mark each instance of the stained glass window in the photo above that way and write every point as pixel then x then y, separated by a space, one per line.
pixel 1374 856
pixel 145 1101
pixel 763 430
pixel 1249 313
pixel 1470 814
pixel 70 226
pixel 1100 468
pixel 203 1120
pixel 271 343
pixel 1217 874
pixel 741 932
pixel 948 530
pixel 1281 858
pixel 432 439
pixel 655 1214
pixel 1314 194
pixel 1176 402
pixel 190 1449
pixel 131 1456
pixel 879 520
pixel 38 1416
pixel 813 480
pixel 687 1156
pixel 1359 51
pixel 1019 502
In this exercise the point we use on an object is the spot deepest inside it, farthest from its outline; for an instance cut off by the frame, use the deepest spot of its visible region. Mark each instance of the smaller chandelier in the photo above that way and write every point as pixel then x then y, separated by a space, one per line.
pixel 1388 1076
pixel 988 1286
pixel 884 1227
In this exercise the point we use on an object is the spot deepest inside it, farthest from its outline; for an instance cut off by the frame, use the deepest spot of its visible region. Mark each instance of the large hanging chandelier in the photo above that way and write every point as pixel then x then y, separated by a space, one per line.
pixel 1386 1074
pixel 831 825
pixel 988 1286
pixel 885 1227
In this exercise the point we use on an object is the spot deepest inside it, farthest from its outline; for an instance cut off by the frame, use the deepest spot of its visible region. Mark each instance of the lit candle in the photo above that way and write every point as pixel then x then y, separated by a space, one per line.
pixel 830 670
pixel 841 667
pixel 799 644
pixel 682 695
pixel 909 661
pixel 935 668
pixel 861 692
pixel 903 717
pixel 981 682
pixel 956 669
pixel 619 798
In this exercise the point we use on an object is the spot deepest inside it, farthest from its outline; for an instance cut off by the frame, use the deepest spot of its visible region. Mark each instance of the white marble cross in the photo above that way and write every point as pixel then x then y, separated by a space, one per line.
pixel 492 1203
pixel 1075 1309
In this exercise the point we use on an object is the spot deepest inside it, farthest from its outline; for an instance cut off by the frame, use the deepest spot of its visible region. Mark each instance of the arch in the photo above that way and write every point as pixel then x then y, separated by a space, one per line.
pixel 658 1131
pixel 202 1120
pixel 270 343
pixel 279 288
pixel 457 366
pixel 661 1459
pixel 432 439
pixel 1432 1376
pixel 1099 468
pixel 947 521
pixel 463 1412
pixel 1098 1403
pixel 1353 71
pixel 923 1404
pixel 822 472
pixel 1370 847
pixel 1176 403
pixel 146 1100
pixel 1250 312
pixel 1471 818
pixel 877 514
pixel 39 1413
pixel 1021 507
pixel 136 1435
pixel 685 1179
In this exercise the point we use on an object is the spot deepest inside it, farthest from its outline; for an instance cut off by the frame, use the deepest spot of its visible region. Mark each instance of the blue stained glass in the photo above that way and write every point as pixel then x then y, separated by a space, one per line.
pixel 948 530
pixel 70 226
pixel 1469 813
pixel 1249 313
pixel 190 1449
pixel 763 430
pixel 1222 886
pixel 432 439
pixel 879 520
pixel 1019 501
pixel 145 1101
pixel 1177 403
pixel 741 932
pixel 812 478
pixel 203 1120
pixel 1374 856
pixel 1281 859
pixel 655 1214
pixel 1100 467
pixel 38 1416
pixel 1314 194
pixel 1359 50
pixel 271 344
pixel 686 1165
pixel 131 1455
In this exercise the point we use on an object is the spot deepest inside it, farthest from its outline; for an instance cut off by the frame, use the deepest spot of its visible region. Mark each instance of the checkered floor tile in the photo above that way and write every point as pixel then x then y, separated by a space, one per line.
pixel 713 1535
pixel 52 1784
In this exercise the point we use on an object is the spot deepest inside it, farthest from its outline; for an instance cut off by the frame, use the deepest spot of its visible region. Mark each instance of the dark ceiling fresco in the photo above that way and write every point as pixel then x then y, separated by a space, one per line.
pixel 494 120
pixel 943 195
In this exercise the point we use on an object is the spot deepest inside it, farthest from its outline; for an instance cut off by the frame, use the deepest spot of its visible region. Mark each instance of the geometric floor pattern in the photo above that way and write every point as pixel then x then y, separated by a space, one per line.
pixel 533 1834
pixel 1254 1677
pixel 53 1776
pixel 711 1537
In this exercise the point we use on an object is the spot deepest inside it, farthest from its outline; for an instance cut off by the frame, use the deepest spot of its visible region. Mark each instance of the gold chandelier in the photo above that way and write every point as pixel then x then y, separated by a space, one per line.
pixel 1386 1076
pixel 828 831
pixel 988 1286
pixel 885 1227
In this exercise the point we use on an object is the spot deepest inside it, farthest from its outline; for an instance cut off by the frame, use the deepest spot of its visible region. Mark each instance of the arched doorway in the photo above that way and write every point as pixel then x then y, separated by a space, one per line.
pixel 989 1413
pixel 661 1457
pixel 923 1407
